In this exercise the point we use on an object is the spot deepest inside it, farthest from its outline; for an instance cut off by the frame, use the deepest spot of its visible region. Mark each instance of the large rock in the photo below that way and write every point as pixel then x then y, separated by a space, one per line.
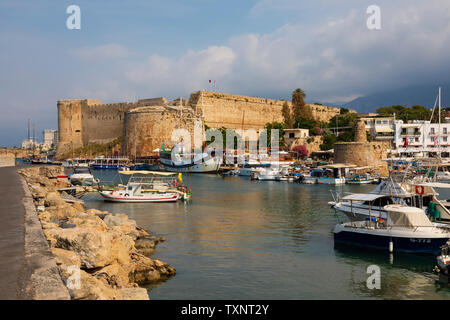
pixel 147 270
pixel 114 276
pixel 95 248
pixel 120 222
pixel 134 294
pixel 91 288
pixel 84 220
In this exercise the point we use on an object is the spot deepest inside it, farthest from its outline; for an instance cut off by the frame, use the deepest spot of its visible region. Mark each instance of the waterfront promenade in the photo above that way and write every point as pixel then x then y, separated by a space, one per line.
pixel 12 234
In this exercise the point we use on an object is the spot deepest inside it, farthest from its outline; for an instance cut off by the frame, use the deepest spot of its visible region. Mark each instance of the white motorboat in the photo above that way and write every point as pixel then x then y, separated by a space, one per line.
pixel 82 176
pixel 360 206
pixel 189 162
pixel 148 186
pixel 251 167
pixel 268 174
pixel 405 229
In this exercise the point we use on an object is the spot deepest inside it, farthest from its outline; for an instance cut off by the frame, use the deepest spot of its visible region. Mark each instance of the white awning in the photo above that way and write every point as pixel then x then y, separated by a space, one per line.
pixel 381 129
pixel 159 173
pixel 363 197
pixel 435 185
pixel 410 217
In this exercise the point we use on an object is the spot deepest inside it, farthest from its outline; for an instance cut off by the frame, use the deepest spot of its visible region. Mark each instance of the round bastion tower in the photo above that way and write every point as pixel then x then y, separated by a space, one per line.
pixel 146 128
pixel 362 152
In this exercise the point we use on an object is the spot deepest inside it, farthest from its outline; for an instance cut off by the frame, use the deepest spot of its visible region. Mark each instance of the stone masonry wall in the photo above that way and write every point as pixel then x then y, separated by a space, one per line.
pixel 146 128
pixel 236 111
pixel 363 154
pixel 85 121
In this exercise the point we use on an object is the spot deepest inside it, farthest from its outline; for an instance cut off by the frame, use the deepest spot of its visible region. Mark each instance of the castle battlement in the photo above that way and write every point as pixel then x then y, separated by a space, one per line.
pixel 86 121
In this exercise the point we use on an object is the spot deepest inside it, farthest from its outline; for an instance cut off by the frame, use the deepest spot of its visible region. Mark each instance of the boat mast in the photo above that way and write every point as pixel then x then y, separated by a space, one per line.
pixel 439 127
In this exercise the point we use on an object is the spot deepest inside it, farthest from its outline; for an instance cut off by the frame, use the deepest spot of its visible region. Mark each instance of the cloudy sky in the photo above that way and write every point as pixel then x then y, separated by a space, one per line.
pixel 129 50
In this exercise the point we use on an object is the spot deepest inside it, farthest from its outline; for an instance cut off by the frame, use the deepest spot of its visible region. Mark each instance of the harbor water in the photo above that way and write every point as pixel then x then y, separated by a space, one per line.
pixel 242 239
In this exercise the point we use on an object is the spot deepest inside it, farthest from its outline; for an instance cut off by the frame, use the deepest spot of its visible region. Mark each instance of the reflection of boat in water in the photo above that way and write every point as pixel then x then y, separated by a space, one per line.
pixel 82 176
pixel 405 229
pixel 148 186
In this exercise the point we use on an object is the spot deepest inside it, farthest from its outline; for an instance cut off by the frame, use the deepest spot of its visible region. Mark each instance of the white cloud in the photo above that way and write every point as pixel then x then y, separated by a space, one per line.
pixel 107 51
pixel 336 58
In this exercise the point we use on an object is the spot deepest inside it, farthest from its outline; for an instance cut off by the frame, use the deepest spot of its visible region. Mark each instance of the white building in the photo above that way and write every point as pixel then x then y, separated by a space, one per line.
pixel 28 144
pixel 50 138
pixel 421 138
pixel 379 127
pixel 294 137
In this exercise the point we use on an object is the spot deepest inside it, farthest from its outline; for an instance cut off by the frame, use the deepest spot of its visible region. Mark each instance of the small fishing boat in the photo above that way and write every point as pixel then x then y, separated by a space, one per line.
pixel 405 229
pixel 363 178
pixel 148 186
pixel 82 176
pixel 115 163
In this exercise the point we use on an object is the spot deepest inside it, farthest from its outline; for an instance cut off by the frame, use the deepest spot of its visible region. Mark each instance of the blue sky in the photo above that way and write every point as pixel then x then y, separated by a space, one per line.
pixel 128 50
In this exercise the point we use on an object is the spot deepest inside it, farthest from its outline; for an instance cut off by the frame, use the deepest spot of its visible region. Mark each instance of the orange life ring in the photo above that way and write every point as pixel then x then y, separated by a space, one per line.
pixel 420 190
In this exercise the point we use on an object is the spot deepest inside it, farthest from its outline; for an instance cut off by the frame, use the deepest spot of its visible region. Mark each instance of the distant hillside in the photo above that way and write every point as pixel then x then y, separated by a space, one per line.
pixel 409 96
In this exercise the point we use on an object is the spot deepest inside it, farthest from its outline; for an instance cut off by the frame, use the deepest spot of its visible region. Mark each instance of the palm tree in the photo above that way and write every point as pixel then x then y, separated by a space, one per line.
pixel 298 104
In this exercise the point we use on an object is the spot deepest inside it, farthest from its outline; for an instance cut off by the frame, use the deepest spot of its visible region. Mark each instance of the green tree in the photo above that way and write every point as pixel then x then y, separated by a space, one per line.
pixel 328 142
pixel 287 115
pixel 299 108
pixel 275 125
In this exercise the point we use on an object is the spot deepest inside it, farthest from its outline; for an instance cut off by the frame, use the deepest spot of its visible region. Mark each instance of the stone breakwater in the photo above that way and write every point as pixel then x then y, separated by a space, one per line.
pixel 100 256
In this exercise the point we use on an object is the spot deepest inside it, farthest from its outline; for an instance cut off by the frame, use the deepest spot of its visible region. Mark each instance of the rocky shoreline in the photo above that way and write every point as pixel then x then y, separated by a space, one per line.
pixel 100 255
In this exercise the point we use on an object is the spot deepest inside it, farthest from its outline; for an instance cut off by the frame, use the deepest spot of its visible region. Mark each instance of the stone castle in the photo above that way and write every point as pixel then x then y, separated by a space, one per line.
pixel 146 124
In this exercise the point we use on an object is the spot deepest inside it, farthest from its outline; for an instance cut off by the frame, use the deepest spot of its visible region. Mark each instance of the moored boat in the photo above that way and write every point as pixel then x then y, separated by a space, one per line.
pixel 148 186
pixel 405 229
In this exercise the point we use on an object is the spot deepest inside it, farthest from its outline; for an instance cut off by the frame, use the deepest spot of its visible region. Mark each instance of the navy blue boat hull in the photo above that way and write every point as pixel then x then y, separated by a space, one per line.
pixel 409 245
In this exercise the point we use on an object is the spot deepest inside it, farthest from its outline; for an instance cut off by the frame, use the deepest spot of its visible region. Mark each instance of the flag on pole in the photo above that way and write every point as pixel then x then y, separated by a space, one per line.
pixel 405 144
pixel 436 141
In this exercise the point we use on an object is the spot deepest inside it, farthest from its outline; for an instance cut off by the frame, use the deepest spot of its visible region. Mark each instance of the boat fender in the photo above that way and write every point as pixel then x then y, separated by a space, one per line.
pixel 420 190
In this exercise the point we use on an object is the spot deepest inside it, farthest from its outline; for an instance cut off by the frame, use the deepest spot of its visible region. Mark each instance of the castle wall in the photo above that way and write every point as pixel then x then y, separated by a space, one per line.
pixel 146 128
pixel 81 122
pixel 105 122
pixel 235 111
pixel 70 125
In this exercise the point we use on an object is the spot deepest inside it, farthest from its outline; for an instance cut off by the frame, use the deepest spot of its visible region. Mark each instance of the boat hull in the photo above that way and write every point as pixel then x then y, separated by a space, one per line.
pixel 109 196
pixel 210 165
pixel 422 244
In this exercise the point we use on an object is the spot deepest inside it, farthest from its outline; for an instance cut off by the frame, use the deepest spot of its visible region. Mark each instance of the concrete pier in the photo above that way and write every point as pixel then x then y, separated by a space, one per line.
pixel 27 268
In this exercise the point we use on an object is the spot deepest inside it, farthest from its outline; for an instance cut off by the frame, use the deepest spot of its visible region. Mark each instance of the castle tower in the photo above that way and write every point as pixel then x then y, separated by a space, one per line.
pixel 360 133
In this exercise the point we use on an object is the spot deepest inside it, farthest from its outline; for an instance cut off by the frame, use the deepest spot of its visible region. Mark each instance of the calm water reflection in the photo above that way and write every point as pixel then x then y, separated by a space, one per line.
pixel 241 239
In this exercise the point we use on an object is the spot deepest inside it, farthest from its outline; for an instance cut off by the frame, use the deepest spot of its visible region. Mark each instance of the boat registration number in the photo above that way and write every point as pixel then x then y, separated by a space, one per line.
pixel 415 240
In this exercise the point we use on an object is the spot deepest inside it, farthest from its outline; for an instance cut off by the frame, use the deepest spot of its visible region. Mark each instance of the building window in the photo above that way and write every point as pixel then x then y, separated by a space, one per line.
pixel 291 135
pixel 445 130
pixel 432 130
pixel 444 139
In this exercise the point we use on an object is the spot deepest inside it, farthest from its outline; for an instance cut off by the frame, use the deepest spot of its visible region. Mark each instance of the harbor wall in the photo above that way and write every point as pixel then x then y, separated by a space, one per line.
pixel 7 160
